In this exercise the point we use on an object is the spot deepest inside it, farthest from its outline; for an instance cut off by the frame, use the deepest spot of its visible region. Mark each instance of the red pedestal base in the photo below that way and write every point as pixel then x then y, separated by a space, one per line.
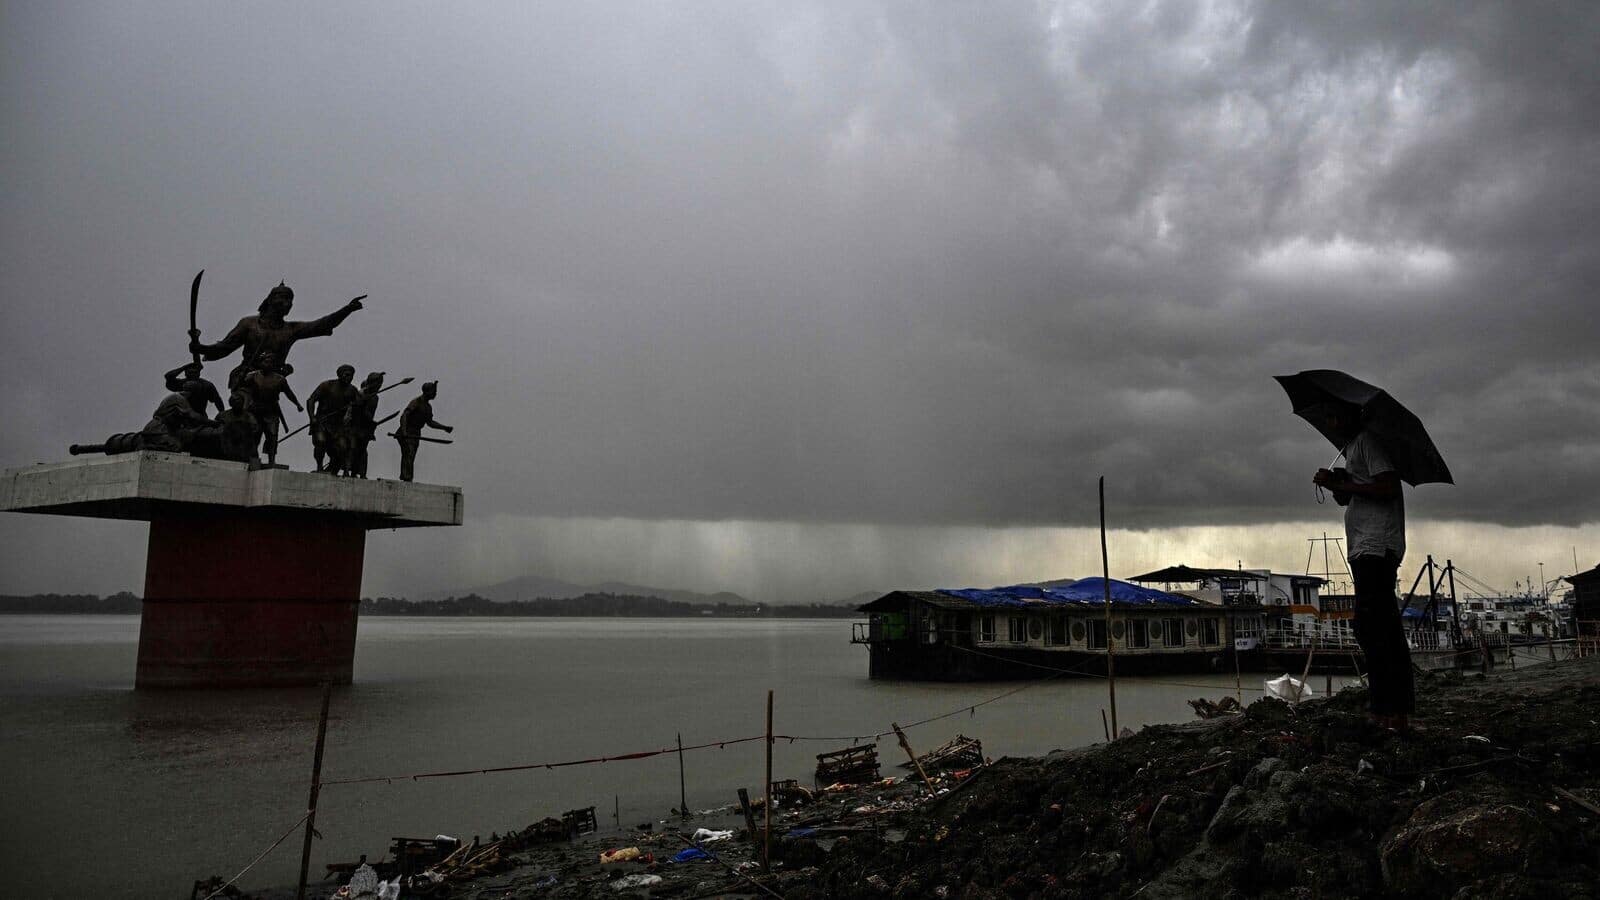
pixel 249 598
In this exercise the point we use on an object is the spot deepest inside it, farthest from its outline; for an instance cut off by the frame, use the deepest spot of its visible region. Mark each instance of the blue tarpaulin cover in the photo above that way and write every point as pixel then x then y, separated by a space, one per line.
pixel 1084 592
pixel 691 854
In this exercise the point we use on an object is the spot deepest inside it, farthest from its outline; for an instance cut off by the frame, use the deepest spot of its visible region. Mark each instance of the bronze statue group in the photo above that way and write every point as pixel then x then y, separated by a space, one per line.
pixel 342 417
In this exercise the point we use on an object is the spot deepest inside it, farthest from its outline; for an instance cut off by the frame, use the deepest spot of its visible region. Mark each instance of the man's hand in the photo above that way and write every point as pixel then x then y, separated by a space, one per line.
pixel 1324 478
pixel 447 429
pixel 298 407
pixel 355 304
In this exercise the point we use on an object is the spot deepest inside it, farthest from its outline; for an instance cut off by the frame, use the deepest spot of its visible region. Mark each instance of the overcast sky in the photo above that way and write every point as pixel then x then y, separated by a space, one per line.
pixel 802 299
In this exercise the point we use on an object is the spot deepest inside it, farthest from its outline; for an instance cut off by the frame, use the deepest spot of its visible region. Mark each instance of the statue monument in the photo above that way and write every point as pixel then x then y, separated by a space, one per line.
pixel 418 413
pixel 252 571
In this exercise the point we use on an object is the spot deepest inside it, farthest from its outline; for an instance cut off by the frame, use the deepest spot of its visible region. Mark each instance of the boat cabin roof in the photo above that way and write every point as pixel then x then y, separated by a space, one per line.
pixel 1088 592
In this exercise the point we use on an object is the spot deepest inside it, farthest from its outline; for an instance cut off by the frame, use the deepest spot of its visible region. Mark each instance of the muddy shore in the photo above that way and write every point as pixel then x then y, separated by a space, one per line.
pixel 1496 794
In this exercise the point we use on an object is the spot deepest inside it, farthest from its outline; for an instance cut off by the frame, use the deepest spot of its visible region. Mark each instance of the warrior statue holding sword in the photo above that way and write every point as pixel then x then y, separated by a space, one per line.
pixel 267 332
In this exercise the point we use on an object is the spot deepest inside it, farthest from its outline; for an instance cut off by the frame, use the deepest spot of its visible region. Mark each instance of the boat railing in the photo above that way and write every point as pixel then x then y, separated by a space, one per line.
pixel 1301 639
pixel 1427 639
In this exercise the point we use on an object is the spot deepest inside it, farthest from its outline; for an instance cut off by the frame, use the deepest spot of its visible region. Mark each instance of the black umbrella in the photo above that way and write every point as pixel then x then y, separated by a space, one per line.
pixel 1398 430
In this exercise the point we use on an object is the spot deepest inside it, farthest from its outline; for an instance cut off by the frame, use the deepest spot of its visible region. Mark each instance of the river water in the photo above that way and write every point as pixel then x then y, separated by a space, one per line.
pixel 122 794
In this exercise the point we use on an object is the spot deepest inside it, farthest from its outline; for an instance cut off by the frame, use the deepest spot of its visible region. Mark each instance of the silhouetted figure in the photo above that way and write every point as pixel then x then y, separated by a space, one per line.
pixel 204 394
pixel 241 433
pixel 268 332
pixel 359 428
pixel 173 421
pixel 264 385
pixel 418 414
pixel 1375 534
pixel 326 406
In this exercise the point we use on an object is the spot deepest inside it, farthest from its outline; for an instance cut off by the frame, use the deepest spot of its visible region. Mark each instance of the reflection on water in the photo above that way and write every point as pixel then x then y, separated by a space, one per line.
pixel 171 786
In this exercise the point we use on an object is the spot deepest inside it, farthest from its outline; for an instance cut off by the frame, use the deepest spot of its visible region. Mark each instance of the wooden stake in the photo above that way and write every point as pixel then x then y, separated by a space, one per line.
pixel 766 811
pixel 1305 674
pixel 1233 641
pixel 749 817
pixel 316 788
pixel 906 746
pixel 1111 641
pixel 1103 724
pixel 683 790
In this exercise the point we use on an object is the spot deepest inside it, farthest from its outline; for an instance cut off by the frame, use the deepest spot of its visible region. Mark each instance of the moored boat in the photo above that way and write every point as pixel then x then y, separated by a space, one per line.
pixel 1027 631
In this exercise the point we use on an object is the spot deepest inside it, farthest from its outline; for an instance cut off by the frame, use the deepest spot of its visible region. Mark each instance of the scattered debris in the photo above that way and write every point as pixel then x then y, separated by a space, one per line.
pixel 961 752
pixel 1211 709
pixel 852 765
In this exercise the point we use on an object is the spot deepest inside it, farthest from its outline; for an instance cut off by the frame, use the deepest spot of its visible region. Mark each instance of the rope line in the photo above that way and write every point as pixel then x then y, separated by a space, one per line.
pixel 969 708
pixel 262 855
pixel 621 757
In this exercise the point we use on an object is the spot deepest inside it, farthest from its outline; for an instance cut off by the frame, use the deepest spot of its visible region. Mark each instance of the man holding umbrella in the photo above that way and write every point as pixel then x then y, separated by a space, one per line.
pixel 1382 444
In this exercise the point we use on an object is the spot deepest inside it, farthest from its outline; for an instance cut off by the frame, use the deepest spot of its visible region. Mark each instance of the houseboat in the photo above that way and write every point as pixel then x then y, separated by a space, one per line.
pixel 1028 631
pixel 1279 616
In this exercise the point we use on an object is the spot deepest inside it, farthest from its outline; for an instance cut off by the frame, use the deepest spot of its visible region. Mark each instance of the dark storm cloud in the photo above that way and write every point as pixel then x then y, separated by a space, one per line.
pixel 920 264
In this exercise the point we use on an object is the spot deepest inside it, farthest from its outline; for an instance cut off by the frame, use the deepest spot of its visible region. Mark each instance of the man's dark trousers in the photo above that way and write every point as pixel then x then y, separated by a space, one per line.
pixel 1377 626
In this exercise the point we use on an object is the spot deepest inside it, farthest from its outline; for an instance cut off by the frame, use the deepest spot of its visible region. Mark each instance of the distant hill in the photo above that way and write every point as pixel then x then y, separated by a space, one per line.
pixel 534 587
pixel 855 600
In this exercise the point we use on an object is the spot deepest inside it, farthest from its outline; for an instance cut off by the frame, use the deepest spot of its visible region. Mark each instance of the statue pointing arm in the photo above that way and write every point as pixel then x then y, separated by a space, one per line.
pixel 326 324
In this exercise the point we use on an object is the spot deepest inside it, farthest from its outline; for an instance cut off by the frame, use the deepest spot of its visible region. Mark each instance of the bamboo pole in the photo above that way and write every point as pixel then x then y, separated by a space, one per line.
pixel 912 755
pixel 683 789
pixel 766 811
pixel 316 788
pixel 1111 641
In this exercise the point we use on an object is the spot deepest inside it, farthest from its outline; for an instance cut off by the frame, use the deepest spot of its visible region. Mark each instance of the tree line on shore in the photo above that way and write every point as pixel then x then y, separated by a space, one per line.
pixel 596 605
pixel 118 603
pixel 125 602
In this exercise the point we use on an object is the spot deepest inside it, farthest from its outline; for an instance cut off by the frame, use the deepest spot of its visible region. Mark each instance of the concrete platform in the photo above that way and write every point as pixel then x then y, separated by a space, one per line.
pixel 252 578
pixel 150 485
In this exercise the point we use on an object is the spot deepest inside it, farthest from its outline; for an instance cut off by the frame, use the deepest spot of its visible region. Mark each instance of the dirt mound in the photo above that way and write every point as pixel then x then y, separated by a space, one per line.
pixel 1494 796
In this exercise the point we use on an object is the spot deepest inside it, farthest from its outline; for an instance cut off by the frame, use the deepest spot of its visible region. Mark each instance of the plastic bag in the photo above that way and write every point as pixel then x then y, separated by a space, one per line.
pixel 1289 689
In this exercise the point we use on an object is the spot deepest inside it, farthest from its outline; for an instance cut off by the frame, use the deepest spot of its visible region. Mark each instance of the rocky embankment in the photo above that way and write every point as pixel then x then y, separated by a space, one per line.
pixel 1496 794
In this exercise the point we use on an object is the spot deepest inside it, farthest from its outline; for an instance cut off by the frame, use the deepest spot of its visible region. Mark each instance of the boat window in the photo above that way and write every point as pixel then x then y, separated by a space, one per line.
pixel 1138 634
pixel 1097 634
pixel 1017 629
pixel 1058 630
pixel 1209 633
pixel 1035 628
pixel 1172 632
pixel 986 628
pixel 1077 630
pixel 1155 629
